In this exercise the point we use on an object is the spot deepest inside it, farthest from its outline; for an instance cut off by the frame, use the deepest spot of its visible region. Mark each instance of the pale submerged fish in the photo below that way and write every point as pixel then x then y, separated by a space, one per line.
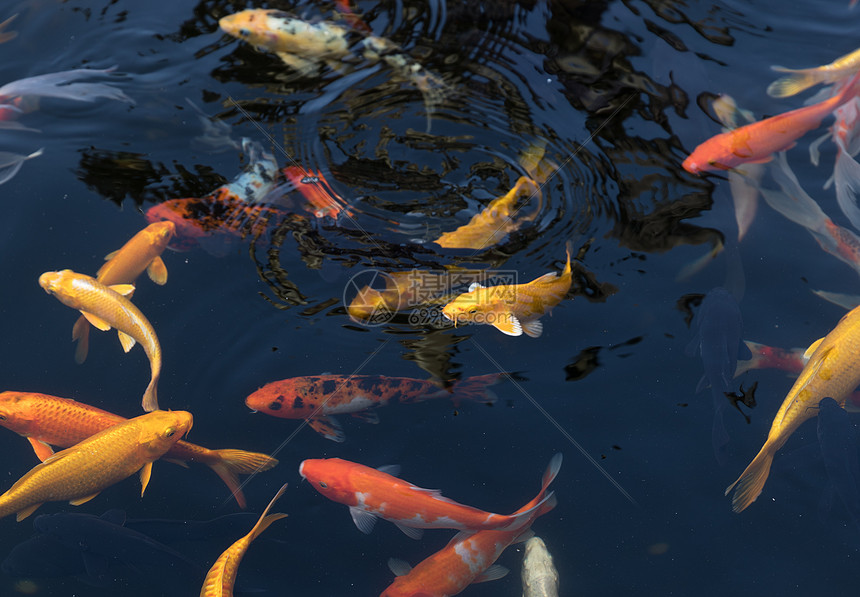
pixel 540 578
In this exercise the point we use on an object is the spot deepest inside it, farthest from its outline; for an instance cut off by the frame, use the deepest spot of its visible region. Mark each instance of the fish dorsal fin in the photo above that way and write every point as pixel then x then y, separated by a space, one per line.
pixel 22 514
pixel 126 340
pixel 494 572
pixel 364 521
pixel 812 348
pixel 390 469
pixel 145 474
pixel 461 536
pixel 157 271
pixel 96 321
pixel 507 323
pixel 42 450
pixel 546 278
pixel 111 255
pixel 399 567
pixel 533 328
pixel 127 290
pixel 58 456
pixel 474 286
pixel 83 500
pixel 411 532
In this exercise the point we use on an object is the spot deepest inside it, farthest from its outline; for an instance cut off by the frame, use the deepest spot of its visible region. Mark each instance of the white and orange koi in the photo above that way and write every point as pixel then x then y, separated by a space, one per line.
pixel 469 557
pixel 374 493
pixel 123 266
pixel 107 307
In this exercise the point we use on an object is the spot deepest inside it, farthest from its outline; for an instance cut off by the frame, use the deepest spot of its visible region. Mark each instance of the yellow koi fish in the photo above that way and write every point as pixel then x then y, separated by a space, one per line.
pixel 80 473
pixel 222 576
pixel 833 370
pixel 106 307
pixel 491 225
pixel 804 78
pixel 512 308
pixel 123 266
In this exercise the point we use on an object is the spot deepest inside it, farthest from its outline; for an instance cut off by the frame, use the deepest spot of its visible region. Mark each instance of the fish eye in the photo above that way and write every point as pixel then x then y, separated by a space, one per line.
pixel 323 485
pixel 2 417
pixel 170 431
pixel 473 310
pixel 244 32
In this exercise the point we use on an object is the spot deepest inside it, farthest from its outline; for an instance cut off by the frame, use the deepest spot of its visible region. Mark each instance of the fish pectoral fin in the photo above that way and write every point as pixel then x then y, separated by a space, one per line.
pixel 96 321
pixel 533 328
pixel 83 500
pixel 145 474
pixel 368 416
pixel 474 286
pixel 390 469
pixel 507 323
pixel 22 514
pixel 494 572
pixel 399 567
pixel 303 66
pixel 127 341
pixel 127 290
pixel 328 427
pixel 812 348
pixel 42 450
pixel 181 463
pixel 157 271
pixel 55 457
pixel 364 521
pixel 411 532
pixel 111 255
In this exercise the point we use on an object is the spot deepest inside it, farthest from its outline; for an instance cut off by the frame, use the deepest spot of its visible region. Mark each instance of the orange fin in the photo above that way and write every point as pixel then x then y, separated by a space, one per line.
pixel 157 271
pixel 81 334
pixel 145 474
pixel 22 514
pixel 127 290
pixel 328 427
pixel 507 323
pixel 83 500
pixel 42 450
pixel 127 341
pixel 749 485
pixel 97 321
pixel 111 255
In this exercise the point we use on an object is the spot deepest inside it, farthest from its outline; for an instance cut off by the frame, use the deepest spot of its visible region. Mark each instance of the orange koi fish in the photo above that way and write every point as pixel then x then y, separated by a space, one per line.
pixel 468 558
pixel 756 142
pixel 222 575
pixel 374 493
pixel 316 398
pixel 512 308
pixel 801 79
pixel 123 266
pixel 324 202
pixel 832 371
pixel 53 421
pixel 490 226
pixel 106 307
pixel 80 473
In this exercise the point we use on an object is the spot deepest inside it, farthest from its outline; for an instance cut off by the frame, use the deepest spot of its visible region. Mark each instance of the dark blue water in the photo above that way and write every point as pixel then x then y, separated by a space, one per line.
pixel 612 87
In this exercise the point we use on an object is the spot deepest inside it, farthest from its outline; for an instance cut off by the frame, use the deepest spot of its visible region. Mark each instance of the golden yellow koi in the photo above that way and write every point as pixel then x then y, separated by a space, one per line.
pixel 80 473
pixel 511 308
pixel 106 307
pixel 222 576
pixel 123 266
pixel 804 78
pixel 833 370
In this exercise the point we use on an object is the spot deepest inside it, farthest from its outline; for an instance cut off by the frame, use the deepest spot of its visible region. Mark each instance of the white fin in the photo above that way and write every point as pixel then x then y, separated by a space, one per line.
pixel 812 348
pixel 364 521
pixel 399 567
pixel 846 178
pixel 127 341
pixel 390 469
pixel 368 416
pixel 533 328
pixel 411 532
pixel 474 286
pixel 846 301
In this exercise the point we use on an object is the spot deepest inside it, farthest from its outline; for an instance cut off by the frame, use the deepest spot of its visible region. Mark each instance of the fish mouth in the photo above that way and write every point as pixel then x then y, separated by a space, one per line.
pixel 302 470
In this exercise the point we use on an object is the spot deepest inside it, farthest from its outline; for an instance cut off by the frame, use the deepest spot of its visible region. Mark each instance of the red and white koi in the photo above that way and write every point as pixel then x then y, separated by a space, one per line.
pixel 374 493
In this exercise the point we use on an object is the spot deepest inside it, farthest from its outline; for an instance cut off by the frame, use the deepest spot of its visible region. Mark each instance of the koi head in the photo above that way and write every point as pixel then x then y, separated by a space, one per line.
pixel 186 230
pixel 330 477
pixel 160 430
pixel 280 399
pixel 17 414
pixel 160 233
pixel 58 284
pixel 469 307
pixel 251 26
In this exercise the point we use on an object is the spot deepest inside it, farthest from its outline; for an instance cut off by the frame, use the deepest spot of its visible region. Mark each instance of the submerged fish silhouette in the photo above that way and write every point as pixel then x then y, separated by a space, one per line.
pixel 838 444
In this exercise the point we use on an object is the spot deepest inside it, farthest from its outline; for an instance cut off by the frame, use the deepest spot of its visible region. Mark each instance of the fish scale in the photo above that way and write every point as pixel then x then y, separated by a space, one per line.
pixel 82 471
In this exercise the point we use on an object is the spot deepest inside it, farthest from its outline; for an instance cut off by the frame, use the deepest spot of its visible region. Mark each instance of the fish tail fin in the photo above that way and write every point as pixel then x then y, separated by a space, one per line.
pixel 477 388
pixel 795 82
pixel 265 518
pixel 542 503
pixel 846 179
pixel 749 485
pixel 568 247
pixel 150 396
pixel 81 335
pixel 232 463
